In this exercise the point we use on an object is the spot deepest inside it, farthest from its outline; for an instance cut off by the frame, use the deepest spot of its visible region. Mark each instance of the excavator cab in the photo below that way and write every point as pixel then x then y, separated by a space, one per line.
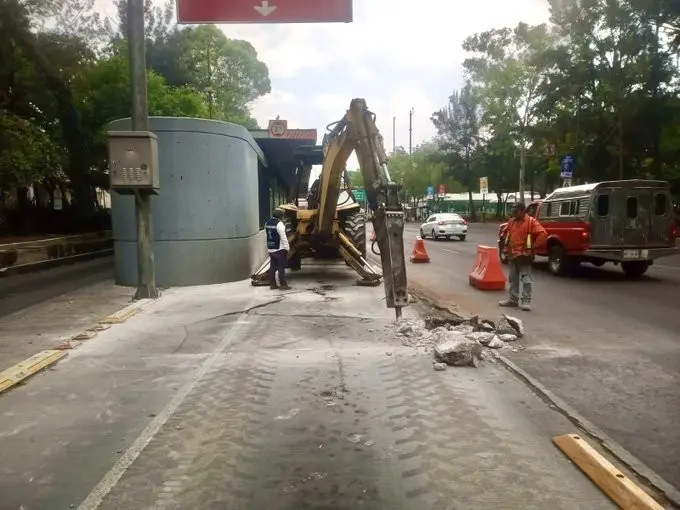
pixel 332 223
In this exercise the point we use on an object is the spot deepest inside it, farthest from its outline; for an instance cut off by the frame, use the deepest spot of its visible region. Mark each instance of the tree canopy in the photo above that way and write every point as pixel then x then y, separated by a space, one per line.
pixel 64 75
pixel 599 82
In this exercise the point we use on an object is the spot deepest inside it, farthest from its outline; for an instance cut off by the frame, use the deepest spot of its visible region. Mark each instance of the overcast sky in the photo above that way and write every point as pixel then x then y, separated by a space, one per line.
pixel 397 54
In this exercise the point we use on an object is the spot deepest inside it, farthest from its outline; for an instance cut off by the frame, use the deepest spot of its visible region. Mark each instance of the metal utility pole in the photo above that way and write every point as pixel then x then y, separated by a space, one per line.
pixel 394 135
pixel 146 263
pixel 410 131
pixel 522 164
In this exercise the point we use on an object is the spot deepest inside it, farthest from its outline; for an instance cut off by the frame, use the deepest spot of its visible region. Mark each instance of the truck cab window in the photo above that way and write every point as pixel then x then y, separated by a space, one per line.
pixel 660 204
pixel 603 205
pixel 632 207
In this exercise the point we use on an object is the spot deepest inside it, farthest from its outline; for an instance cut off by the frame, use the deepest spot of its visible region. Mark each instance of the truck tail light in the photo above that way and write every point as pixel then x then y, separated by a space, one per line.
pixel 585 233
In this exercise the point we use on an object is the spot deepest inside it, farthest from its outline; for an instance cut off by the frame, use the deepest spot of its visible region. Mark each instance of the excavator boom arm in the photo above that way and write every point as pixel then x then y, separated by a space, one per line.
pixel 357 131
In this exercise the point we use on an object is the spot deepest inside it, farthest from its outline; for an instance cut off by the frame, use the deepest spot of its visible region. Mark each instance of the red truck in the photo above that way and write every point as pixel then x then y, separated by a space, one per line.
pixel 630 223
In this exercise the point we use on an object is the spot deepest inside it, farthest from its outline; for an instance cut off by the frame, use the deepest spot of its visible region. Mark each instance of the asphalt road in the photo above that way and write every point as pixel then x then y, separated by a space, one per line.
pixel 24 290
pixel 607 345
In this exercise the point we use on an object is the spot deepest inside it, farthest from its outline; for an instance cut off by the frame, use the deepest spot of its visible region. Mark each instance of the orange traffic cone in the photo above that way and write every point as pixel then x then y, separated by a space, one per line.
pixel 487 273
pixel 419 253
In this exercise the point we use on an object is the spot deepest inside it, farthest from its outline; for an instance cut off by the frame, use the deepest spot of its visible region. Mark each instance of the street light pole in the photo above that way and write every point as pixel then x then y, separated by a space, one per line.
pixel 146 263
pixel 394 135
pixel 410 131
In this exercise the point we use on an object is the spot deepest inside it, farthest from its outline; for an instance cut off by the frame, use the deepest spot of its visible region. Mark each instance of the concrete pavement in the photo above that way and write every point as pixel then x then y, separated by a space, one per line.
pixel 233 397
pixel 608 346
pixel 39 309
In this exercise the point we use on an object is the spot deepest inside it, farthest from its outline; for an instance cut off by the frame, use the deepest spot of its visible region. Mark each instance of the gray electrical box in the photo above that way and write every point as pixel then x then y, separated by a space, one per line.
pixel 133 160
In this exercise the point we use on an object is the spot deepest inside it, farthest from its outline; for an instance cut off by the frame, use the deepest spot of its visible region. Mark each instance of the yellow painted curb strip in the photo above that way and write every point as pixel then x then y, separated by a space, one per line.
pixel 29 367
pixel 121 316
pixel 620 489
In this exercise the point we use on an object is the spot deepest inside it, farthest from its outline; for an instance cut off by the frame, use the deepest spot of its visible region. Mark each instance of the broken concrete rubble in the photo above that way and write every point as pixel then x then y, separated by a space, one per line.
pixel 496 343
pixel 439 367
pixel 481 337
pixel 456 350
pixel 516 324
pixel 459 341
pixel 445 319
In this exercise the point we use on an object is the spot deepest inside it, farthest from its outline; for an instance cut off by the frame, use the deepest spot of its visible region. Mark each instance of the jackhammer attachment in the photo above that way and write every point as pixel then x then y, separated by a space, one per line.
pixel 389 227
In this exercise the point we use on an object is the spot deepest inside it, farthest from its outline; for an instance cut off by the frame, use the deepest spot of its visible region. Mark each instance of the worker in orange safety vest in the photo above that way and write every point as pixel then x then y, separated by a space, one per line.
pixel 523 233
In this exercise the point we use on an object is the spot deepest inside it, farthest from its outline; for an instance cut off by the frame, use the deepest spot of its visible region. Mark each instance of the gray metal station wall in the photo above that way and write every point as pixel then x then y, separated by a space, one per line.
pixel 206 216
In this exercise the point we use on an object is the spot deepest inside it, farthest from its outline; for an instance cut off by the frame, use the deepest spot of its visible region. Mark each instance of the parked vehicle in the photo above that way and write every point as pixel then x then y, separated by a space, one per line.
pixel 630 223
pixel 448 225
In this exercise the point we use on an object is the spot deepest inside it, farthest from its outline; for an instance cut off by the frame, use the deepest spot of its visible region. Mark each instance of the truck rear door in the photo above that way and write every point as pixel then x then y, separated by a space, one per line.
pixel 632 210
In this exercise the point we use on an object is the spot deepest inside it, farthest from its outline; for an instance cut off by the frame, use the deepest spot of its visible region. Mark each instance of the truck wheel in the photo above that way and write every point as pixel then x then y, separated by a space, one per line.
pixel 635 269
pixel 559 262
pixel 354 227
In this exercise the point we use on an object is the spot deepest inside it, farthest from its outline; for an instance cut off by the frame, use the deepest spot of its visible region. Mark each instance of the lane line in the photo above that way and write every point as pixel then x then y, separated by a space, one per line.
pixel 667 267
pixel 95 498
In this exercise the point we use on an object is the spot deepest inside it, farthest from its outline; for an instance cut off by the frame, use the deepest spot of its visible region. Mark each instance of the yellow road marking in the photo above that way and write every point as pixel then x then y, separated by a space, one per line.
pixel 29 367
pixel 121 316
pixel 620 489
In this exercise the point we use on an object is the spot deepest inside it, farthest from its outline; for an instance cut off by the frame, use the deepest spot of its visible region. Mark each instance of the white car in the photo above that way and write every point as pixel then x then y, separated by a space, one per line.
pixel 448 225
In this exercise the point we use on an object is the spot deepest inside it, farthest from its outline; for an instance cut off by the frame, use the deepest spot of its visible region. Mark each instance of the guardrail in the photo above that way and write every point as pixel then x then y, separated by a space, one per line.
pixel 17 257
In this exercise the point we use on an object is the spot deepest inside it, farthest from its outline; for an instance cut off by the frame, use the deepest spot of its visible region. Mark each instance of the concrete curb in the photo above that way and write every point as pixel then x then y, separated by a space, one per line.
pixel 44 359
pixel 646 474
pixel 10 271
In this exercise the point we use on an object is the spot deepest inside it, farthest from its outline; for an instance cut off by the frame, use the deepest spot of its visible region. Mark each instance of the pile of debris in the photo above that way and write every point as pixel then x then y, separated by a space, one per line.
pixel 460 341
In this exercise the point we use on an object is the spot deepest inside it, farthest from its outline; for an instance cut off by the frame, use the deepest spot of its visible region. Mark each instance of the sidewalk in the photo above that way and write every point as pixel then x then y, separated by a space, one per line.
pixel 234 397
pixel 37 310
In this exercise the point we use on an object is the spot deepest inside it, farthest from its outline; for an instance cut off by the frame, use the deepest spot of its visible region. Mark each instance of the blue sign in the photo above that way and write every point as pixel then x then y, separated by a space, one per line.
pixel 430 192
pixel 567 164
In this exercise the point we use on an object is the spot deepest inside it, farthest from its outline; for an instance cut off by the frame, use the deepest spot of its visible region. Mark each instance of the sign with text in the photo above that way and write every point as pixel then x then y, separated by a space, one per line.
pixel 359 194
pixel 264 11
pixel 567 164
pixel 430 192
pixel 441 192
pixel 484 185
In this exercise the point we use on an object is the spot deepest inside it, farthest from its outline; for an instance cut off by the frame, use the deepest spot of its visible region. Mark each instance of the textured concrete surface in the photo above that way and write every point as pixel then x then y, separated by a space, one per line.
pixel 233 397
pixel 38 309
pixel 608 346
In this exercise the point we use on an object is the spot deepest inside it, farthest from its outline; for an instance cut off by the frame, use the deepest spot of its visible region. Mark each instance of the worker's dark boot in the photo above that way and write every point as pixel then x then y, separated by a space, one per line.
pixel 273 286
pixel 285 286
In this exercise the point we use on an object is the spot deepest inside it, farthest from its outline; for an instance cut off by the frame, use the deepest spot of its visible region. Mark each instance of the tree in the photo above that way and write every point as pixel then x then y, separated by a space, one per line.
pixel 457 127
pixel 508 71
pixel 64 77
pixel 226 71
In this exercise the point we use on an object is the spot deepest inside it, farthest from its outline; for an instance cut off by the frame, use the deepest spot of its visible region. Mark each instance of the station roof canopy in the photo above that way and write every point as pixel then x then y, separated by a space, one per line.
pixel 285 148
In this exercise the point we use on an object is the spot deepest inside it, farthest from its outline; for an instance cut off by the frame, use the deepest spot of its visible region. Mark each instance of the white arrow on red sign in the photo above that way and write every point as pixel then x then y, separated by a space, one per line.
pixel 264 8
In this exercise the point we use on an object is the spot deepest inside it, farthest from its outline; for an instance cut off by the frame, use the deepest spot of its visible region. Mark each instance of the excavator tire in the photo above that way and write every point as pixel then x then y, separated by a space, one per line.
pixel 354 226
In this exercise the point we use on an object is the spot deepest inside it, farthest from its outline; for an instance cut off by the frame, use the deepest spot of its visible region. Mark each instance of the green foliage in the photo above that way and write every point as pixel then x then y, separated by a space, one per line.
pixel 600 82
pixel 65 76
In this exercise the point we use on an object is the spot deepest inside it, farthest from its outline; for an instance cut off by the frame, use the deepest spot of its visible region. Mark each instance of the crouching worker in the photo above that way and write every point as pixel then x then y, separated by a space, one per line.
pixel 278 247
pixel 523 234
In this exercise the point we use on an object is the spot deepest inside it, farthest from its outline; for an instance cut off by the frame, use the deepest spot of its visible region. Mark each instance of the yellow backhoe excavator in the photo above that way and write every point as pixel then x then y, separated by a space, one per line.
pixel 332 224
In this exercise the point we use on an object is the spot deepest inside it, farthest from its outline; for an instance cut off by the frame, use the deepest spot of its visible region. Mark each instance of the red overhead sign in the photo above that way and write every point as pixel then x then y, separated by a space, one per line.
pixel 264 11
